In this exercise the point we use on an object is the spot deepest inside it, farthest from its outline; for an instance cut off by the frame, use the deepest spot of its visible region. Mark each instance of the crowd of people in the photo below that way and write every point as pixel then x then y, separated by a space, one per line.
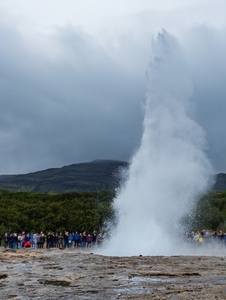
pixel 206 237
pixel 53 240
pixel 88 240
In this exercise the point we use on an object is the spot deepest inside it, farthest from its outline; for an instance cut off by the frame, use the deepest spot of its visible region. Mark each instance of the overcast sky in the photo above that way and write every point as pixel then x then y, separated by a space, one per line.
pixel 72 77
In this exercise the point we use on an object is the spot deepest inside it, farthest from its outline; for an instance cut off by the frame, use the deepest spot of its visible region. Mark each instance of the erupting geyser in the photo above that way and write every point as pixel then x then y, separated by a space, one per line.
pixel 170 169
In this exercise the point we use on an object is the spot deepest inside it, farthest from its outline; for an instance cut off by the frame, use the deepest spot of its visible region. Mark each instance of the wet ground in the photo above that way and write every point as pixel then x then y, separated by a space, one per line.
pixel 73 274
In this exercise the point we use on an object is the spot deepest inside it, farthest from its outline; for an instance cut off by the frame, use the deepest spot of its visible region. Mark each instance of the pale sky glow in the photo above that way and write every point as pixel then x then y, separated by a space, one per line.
pixel 92 15
pixel 72 76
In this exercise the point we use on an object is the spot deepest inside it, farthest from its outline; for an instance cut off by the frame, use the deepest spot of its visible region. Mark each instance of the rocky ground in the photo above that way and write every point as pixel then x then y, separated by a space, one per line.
pixel 71 274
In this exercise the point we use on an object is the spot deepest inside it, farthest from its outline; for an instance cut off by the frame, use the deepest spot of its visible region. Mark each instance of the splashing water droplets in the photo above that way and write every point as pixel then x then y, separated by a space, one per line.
pixel 170 168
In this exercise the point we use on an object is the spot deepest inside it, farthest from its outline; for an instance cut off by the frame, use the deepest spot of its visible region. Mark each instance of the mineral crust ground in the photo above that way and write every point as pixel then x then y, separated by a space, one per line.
pixel 75 274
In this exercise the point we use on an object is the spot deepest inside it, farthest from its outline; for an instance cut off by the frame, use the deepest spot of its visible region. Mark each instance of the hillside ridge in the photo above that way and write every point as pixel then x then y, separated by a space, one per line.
pixel 96 175
pixel 81 177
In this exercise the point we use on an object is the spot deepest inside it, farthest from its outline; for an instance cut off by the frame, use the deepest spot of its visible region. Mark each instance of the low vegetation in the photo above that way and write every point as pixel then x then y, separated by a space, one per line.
pixel 210 212
pixel 89 211
pixel 33 212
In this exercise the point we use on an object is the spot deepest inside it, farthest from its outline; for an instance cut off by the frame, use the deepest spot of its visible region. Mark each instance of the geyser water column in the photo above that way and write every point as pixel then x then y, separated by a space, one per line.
pixel 170 169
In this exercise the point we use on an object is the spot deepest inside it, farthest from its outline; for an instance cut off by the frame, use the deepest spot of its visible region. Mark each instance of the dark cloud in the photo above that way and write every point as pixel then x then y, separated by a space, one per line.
pixel 205 51
pixel 77 106
pixel 68 97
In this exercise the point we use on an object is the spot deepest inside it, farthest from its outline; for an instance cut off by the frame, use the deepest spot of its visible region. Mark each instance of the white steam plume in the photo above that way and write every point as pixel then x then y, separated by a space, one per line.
pixel 170 169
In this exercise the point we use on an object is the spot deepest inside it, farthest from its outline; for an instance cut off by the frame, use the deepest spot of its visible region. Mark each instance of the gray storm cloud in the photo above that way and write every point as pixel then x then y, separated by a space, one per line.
pixel 76 107
pixel 68 97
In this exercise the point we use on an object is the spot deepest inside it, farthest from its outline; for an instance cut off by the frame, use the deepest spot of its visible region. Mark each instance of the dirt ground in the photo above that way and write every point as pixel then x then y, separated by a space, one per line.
pixel 73 274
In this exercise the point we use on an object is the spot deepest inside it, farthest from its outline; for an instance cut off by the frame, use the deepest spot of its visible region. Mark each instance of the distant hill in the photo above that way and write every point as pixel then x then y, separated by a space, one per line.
pixel 83 177
pixel 91 176
pixel 220 182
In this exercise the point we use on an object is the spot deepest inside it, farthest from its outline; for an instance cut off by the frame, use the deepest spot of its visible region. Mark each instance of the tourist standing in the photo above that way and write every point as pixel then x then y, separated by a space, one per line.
pixel 6 240
pixel 60 241
pixel 83 239
pixel 15 241
pixel 76 239
pixel 48 240
pixel 99 239
pixel 89 240
pixel 19 243
pixel 65 239
pixel 35 241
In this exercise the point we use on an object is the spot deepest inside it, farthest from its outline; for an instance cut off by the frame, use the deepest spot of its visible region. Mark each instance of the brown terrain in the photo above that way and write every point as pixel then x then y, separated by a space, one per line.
pixel 75 274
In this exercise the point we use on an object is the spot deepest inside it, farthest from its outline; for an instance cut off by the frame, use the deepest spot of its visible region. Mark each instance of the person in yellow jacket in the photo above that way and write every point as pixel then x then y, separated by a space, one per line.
pixel 200 240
